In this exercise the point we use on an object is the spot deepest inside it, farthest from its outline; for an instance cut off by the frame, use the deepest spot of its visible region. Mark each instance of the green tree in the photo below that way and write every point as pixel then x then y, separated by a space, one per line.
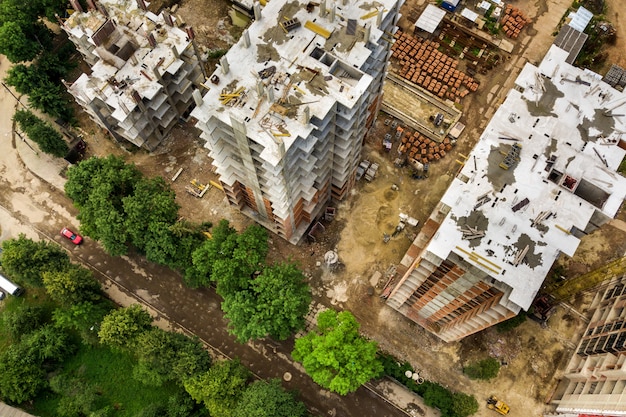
pixel 21 377
pixel 77 397
pixel 51 98
pixel 121 328
pixel 49 140
pixel 97 186
pixel 438 396
pixel 48 344
pixel 24 259
pixel 166 356
pixel 71 286
pixel 174 244
pixel 336 356
pixel 205 256
pixel 483 369
pixel 268 399
pixel 17 44
pixel 220 388
pixel 24 320
pixel 84 317
pixel 275 304
pixel 464 405
pixel 150 210
pixel 24 78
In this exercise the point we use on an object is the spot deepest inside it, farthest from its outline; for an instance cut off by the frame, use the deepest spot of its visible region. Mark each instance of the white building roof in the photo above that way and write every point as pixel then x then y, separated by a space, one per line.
pixel 580 19
pixel 565 173
pixel 137 73
pixel 326 65
pixel 469 14
pixel 430 18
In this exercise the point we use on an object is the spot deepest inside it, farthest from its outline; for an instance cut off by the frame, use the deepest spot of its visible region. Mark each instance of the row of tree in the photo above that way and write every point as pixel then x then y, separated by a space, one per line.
pixel 77 314
pixel 24 37
pixel 121 208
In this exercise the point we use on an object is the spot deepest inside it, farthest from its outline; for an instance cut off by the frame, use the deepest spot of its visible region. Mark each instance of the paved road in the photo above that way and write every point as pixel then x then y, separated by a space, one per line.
pixel 31 202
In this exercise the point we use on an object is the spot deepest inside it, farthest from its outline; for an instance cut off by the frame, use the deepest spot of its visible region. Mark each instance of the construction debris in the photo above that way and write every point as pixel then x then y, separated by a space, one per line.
pixel 197 189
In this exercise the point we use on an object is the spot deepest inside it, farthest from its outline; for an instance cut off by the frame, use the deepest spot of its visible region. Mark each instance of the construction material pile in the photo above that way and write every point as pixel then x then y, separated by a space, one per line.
pixel 422 63
pixel 422 149
pixel 513 21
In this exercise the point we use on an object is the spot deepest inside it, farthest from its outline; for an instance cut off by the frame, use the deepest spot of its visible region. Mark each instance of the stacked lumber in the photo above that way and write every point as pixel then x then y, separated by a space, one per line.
pixel 513 21
pixel 422 149
pixel 423 64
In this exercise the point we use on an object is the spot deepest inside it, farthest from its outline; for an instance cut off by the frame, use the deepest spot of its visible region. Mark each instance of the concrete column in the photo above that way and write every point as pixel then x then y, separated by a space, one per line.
pixel 256 7
pixel 224 65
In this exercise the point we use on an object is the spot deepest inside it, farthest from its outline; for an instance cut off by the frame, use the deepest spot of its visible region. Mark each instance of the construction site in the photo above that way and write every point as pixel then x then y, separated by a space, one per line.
pixel 339 133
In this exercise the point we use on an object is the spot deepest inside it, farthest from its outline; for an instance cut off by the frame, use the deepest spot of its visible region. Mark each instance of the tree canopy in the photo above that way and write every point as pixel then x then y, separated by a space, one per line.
pixel 167 356
pixel 274 305
pixel 24 259
pixel 269 399
pixel 122 327
pixel 220 388
pixel 45 136
pixel 336 356
pixel 72 285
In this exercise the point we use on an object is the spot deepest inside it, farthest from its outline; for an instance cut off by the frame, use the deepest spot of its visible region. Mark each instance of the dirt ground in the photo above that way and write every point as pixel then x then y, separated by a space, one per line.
pixel 534 356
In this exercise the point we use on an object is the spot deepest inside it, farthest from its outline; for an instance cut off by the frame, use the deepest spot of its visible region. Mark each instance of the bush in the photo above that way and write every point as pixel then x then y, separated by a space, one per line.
pixel 511 323
pixel 484 369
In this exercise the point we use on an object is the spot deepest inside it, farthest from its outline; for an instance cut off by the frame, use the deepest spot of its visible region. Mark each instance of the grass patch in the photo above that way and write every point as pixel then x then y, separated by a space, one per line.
pixel 111 373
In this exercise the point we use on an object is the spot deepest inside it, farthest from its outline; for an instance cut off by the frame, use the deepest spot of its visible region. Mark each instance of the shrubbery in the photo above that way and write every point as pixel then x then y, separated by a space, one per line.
pixel 483 369
pixel 451 404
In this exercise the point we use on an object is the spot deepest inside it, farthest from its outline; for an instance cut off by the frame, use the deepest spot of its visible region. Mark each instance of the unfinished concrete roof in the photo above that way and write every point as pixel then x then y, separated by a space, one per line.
pixel 545 164
pixel 127 60
pixel 300 60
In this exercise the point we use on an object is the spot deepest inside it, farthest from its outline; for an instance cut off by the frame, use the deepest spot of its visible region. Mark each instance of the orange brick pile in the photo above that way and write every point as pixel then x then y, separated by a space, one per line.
pixel 422 64
pixel 513 21
pixel 423 149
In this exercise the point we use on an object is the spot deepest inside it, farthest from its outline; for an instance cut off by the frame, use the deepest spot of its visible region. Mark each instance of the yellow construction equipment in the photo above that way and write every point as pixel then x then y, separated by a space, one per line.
pixel 317 29
pixel 371 14
pixel 494 404
pixel 226 98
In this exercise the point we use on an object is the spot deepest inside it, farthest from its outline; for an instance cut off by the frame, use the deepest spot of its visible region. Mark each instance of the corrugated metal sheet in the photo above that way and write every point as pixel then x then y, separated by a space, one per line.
pixel 430 18
pixel 469 14
pixel 581 19
pixel 570 40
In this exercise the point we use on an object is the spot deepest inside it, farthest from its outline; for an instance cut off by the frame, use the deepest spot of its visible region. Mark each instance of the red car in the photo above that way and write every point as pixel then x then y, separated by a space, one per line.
pixel 74 237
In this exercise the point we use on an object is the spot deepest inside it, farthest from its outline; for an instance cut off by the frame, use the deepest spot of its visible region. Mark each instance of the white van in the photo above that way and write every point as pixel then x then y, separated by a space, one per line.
pixel 10 287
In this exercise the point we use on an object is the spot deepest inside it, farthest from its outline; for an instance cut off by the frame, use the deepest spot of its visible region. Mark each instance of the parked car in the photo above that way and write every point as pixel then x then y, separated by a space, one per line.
pixel 74 237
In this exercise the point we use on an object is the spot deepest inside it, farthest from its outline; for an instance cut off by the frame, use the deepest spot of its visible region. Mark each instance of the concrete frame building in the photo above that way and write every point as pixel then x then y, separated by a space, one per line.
pixel 542 175
pixel 144 69
pixel 595 379
pixel 286 116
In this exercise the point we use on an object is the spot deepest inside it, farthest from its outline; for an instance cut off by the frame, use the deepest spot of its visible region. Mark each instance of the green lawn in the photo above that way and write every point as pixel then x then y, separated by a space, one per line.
pixel 111 373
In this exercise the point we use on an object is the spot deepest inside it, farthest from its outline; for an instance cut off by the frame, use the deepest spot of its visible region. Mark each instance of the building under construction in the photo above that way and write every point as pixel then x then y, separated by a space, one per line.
pixel 288 109
pixel 542 175
pixel 144 69
pixel 594 381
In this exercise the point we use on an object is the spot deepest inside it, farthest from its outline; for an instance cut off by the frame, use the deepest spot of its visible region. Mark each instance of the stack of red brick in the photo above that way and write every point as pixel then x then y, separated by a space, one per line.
pixel 422 149
pixel 513 21
pixel 422 63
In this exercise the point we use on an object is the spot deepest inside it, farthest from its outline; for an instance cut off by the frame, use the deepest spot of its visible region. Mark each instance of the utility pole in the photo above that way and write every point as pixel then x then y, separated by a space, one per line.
pixel 11 92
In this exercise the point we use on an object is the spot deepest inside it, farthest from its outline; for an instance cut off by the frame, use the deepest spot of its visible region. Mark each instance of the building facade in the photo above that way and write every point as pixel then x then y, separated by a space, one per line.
pixel 144 69
pixel 542 175
pixel 594 381
pixel 288 109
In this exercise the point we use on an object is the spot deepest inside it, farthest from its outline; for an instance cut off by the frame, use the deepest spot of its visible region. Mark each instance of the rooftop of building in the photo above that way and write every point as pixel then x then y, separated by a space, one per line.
pixel 544 165
pixel 126 66
pixel 297 57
